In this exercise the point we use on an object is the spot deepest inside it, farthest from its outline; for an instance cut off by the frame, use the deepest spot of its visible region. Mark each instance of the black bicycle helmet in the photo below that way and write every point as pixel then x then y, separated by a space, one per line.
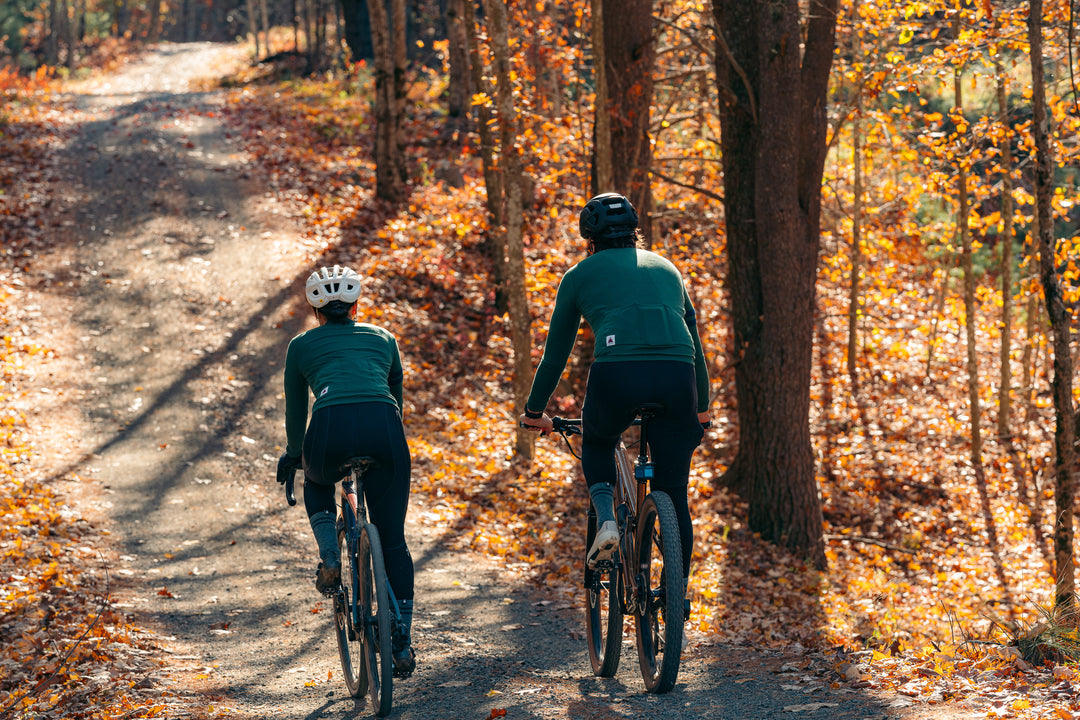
pixel 609 215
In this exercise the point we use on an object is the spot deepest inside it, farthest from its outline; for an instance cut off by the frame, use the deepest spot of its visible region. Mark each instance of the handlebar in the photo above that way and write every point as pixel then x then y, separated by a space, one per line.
pixel 289 496
pixel 566 426
pixel 563 426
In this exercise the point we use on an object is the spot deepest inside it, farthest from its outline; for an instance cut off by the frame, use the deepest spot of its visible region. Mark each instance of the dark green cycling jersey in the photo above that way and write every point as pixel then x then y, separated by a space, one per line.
pixel 638 308
pixel 340 363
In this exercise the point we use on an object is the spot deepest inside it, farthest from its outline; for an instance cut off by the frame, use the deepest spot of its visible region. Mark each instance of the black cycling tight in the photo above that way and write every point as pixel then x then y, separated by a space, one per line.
pixel 614 392
pixel 339 432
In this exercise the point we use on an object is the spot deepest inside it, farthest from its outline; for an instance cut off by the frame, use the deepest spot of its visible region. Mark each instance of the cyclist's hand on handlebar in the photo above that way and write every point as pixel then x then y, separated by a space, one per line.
pixel 543 424
pixel 285 466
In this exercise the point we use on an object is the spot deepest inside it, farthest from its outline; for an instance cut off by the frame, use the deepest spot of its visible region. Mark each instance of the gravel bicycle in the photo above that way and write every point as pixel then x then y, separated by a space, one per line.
pixel 367 618
pixel 643 578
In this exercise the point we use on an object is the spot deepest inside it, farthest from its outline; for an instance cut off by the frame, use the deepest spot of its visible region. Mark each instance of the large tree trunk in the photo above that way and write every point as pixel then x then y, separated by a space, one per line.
pixel 357 29
pixel 773 138
pixel 1064 434
pixel 520 317
pixel 389 182
pixel 629 55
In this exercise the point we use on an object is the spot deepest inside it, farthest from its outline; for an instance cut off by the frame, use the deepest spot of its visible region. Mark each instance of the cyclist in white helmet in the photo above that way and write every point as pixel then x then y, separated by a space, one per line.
pixel 353 369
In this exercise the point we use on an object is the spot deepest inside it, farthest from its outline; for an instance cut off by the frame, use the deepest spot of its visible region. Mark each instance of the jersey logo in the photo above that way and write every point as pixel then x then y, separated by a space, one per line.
pixel 610 341
pixel 324 391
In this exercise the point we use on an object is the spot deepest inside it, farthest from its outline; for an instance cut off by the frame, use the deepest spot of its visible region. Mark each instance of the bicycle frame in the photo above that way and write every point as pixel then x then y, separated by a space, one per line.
pixel 354 513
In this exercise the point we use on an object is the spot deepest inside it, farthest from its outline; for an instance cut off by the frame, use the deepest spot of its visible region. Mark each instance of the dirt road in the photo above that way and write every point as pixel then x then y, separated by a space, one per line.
pixel 170 295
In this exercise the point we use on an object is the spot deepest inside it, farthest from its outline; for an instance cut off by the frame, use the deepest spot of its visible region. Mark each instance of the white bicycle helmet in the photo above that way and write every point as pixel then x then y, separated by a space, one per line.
pixel 336 283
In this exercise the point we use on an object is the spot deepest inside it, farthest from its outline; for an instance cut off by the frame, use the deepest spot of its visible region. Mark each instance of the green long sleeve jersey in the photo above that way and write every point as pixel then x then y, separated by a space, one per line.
pixel 339 364
pixel 637 306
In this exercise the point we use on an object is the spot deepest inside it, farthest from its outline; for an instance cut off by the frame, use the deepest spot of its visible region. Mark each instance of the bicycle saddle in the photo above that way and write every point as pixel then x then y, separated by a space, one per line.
pixel 360 464
pixel 650 409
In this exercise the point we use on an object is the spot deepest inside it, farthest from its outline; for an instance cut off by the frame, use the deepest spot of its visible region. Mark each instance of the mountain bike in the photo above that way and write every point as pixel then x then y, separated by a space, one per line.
pixel 643 578
pixel 367 618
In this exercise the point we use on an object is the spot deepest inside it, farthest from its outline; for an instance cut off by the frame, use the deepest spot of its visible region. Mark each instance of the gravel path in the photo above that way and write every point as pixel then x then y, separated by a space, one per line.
pixel 170 295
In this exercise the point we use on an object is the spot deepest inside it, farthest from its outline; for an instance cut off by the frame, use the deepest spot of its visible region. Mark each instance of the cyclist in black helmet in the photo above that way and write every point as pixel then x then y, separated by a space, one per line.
pixel 647 351
pixel 354 371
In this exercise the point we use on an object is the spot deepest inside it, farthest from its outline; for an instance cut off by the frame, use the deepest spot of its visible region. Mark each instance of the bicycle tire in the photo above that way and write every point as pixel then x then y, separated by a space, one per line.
pixel 346 619
pixel 375 609
pixel 603 613
pixel 658 612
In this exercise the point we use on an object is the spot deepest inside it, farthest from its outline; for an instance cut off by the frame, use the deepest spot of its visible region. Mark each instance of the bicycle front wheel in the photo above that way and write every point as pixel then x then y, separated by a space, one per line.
pixel 603 617
pixel 658 612
pixel 374 602
pixel 347 620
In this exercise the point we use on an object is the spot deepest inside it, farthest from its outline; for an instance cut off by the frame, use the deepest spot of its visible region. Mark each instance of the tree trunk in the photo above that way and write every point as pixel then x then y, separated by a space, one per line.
pixel 1064 434
pixel 520 318
pixel 603 176
pixel 264 23
pixel 52 34
pixel 401 63
pixel 773 144
pixel 458 92
pixel 629 52
pixel 492 181
pixel 357 29
pixel 154 32
pixel 388 182
pixel 975 409
pixel 856 216
pixel 1006 241
pixel 856 250
pixel 253 26
pixel 495 242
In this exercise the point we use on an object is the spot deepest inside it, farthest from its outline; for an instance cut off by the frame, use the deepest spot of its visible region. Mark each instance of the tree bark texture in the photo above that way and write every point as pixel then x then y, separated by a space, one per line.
pixel 773 126
pixel 389 182
pixel 1064 434
pixel 520 317
pixel 629 57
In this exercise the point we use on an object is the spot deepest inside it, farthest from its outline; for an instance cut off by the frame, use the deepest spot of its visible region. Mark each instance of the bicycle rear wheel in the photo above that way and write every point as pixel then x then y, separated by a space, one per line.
pixel 374 602
pixel 346 620
pixel 658 612
pixel 603 616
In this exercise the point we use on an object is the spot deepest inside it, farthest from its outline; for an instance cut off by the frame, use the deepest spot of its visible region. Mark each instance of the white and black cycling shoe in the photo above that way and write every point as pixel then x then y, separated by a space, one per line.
pixel 603 547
